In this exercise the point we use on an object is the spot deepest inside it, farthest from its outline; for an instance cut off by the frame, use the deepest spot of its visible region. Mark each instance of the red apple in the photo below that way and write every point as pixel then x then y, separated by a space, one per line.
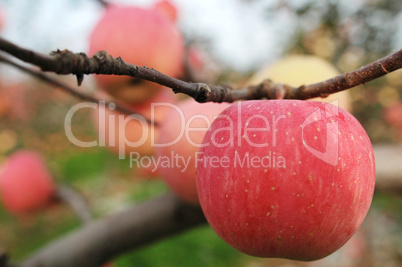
pixel 25 182
pixel 198 66
pixel 123 134
pixel 13 102
pixel 167 8
pixel 181 137
pixel 195 59
pixel 143 37
pixel 285 178
pixel 393 115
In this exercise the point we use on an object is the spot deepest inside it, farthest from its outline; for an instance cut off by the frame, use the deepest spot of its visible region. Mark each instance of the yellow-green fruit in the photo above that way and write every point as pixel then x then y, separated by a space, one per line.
pixel 296 70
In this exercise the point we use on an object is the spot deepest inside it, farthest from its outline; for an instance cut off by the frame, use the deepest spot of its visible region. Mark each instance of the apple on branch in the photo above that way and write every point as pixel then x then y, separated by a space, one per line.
pixel 25 182
pixel 285 178
pixel 141 36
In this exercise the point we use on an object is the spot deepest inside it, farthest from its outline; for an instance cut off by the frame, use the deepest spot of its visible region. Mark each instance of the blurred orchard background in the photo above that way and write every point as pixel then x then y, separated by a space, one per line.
pixel 235 39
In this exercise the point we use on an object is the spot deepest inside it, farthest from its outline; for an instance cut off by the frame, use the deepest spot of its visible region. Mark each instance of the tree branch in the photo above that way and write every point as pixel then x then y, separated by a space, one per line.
pixel 3 258
pixel 76 202
pixel 41 76
pixel 67 62
pixel 354 78
pixel 100 241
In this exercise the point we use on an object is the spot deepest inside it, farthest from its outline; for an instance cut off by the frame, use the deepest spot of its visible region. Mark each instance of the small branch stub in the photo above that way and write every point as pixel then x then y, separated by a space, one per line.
pixel 202 93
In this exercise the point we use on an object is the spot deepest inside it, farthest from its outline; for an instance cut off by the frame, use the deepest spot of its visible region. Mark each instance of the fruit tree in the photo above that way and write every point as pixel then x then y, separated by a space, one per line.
pixel 151 132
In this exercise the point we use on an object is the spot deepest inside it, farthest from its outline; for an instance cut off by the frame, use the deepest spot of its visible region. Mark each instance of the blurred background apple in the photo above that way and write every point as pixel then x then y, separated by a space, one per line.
pixel 297 70
pixel 120 132
pixel 141 36
pixel 180 138
pixel 25 182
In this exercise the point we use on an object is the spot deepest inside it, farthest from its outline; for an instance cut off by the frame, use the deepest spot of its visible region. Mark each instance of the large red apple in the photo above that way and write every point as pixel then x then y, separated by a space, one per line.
pixel 25 182
pixel 285 178
pixel 123 134
pixel 144 37
pixel 179 141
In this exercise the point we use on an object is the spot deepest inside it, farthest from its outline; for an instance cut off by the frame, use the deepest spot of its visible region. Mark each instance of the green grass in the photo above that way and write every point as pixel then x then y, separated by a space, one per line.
pixel 198 247
pixel 27 235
